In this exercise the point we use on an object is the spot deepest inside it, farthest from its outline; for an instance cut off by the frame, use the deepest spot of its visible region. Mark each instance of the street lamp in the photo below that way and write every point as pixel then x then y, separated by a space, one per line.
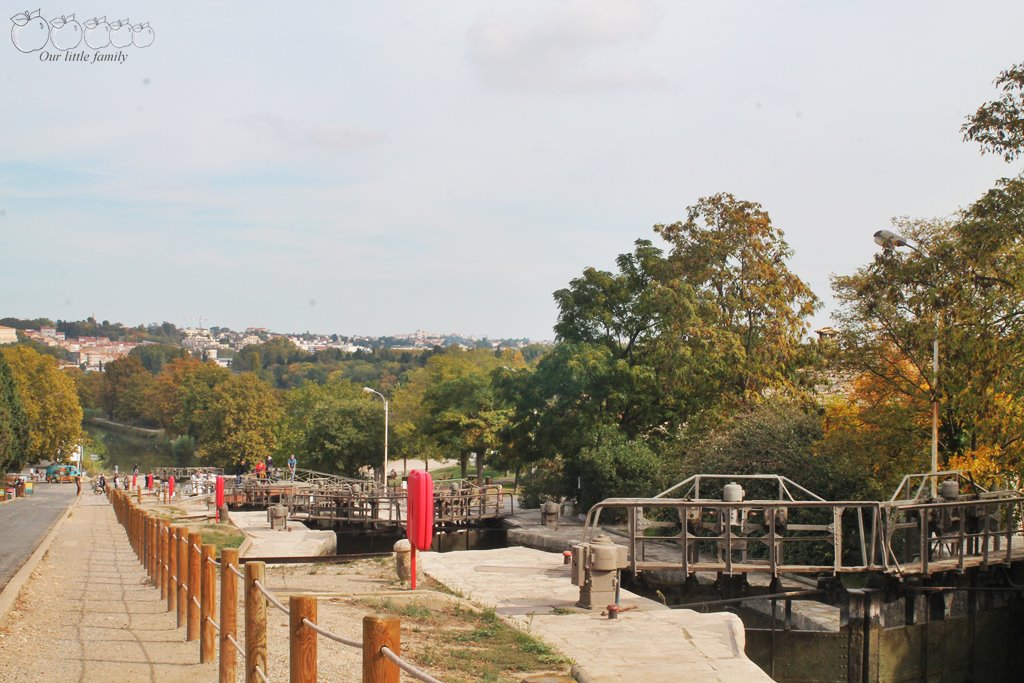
pixel 890 240
pixel 384 472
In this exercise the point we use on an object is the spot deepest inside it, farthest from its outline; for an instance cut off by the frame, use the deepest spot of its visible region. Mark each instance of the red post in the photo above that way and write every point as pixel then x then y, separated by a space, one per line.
pixel 170 488
pixel 220 494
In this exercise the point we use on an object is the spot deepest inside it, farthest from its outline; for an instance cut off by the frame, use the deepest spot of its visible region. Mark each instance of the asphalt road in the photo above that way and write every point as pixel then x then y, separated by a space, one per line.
pixel 24 523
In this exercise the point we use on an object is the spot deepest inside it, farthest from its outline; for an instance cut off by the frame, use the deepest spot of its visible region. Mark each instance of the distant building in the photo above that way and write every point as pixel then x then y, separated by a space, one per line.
pixel 8 335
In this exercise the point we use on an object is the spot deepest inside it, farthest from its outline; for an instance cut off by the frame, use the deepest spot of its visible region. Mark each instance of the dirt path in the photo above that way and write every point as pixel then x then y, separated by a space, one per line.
pixel 89 614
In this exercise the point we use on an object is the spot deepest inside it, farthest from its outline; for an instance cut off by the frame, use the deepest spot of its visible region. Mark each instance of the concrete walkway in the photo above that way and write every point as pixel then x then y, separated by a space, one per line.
pixel 89 613
pixel 650 643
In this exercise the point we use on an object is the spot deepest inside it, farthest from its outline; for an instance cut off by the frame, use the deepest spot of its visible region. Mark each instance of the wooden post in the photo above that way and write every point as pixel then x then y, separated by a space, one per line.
pixel 378 631
pixel 302 639
pixel 255 622
pixel 228 615
pixel 138 495
pixel 194 585
pixel 172 568
pixel 161 557
pixel 151 545
pixel 182 576
pixel 207 633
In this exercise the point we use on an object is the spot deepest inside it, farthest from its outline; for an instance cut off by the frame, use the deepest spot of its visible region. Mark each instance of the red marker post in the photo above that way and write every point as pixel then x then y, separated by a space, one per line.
pixel 419 527
pixel 170 488
pixel 220 494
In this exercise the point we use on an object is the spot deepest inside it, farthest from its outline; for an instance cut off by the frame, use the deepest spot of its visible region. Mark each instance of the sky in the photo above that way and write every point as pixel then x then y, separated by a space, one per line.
pixel 374 168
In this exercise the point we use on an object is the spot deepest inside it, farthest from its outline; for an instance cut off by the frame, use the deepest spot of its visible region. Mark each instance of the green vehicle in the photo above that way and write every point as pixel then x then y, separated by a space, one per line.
pixel 61 473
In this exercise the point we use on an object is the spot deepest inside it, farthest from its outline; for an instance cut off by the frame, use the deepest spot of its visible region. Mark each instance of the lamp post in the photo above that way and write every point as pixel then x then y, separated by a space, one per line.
pixel 384 472
pixel 890 240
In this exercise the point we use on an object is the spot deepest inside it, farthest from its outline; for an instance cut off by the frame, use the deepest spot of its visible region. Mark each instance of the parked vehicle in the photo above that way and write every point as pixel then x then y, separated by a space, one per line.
pixel 62 473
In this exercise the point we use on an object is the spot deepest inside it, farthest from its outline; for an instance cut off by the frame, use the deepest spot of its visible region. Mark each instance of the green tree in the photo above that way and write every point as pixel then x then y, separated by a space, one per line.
pixel 998 126
pixel 964 284
pixel 117 376
pixel 751 311
pixel 240 421
pixel 155 356
pixel 463 414
pixel 50 402
pixel 333 427
pixel 613 467
pixel 14 427
pixel 773 436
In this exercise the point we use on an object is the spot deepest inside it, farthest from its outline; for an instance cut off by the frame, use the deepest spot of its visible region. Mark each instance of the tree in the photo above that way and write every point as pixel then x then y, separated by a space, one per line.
pixel 182 393
pixel 773 436
pixel 333 427
pixel 613 467
pixel 239 422
pixel 155 356
pixel 117 376
pixel 14 428
pixel 751 310
pixel 998 126
pixel 463 414
pixel 50 402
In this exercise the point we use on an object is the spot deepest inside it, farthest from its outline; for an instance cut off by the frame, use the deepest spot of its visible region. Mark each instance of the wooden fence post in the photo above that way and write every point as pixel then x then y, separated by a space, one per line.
pixel 172 568
pixel 302 639
pixel 194 585
pixel 255 622
pixel 182 576
pixel 207 634
pixel 228 615
pixel 380 631
pixel 161 557
pixel 151 545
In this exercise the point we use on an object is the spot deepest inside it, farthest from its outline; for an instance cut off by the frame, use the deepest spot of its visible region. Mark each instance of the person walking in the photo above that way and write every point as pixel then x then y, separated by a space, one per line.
pixel 292 462
pixel 78 484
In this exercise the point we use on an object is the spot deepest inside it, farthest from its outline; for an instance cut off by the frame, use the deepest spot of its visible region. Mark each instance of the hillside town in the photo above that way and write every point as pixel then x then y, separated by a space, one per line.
pixel 220 344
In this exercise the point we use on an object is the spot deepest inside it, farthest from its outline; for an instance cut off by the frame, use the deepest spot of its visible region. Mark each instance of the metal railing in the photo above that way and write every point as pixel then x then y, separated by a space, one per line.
pixel 185 571
pixel 910 534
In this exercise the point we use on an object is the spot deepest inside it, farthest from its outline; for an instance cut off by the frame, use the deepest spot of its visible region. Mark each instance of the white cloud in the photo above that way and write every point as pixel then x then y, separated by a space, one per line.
pixel 578 46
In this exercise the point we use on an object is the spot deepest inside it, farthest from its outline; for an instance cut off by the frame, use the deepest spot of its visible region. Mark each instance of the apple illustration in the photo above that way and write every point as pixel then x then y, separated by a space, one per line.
pixel 97 33
pixel 120 33
pixel 65 33
pixel 142 35
pixel 30 31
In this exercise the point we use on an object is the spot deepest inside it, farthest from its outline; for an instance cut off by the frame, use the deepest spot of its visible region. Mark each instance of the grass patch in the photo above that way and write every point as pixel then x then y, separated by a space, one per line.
pixel 222 535
pixel 462 646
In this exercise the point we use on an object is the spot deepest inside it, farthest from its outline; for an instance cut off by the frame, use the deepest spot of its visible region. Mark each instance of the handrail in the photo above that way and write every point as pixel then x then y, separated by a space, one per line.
pixel 164 561
pixel 327 634
pixel 407 667
pixel 271 598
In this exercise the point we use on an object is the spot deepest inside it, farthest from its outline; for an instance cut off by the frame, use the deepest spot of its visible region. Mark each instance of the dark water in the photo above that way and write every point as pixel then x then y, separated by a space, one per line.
pixel 126 450
pixel 444 542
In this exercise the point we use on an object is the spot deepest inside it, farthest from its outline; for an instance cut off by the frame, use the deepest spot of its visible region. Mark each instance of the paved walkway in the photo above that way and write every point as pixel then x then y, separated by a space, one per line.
pixel 90 614
pixel 648 643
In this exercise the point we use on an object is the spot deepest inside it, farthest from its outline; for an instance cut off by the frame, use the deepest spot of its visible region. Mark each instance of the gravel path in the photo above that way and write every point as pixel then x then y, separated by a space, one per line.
pixel 90 614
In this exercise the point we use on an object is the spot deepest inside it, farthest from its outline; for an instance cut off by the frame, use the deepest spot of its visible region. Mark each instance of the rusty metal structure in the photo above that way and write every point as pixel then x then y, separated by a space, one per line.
pixel 925 586
pixel 708 523
pixel 460 503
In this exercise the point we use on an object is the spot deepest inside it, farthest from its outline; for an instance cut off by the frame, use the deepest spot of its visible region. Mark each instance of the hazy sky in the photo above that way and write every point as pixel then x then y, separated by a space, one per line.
pixel 379 167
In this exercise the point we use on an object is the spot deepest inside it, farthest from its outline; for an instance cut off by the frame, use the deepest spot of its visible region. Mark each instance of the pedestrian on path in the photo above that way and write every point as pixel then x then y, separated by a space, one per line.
pixel 78 485
pixel 292 462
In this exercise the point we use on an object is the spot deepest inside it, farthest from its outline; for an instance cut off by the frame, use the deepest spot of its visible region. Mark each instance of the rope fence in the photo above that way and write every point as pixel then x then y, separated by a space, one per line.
pixel 185 570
